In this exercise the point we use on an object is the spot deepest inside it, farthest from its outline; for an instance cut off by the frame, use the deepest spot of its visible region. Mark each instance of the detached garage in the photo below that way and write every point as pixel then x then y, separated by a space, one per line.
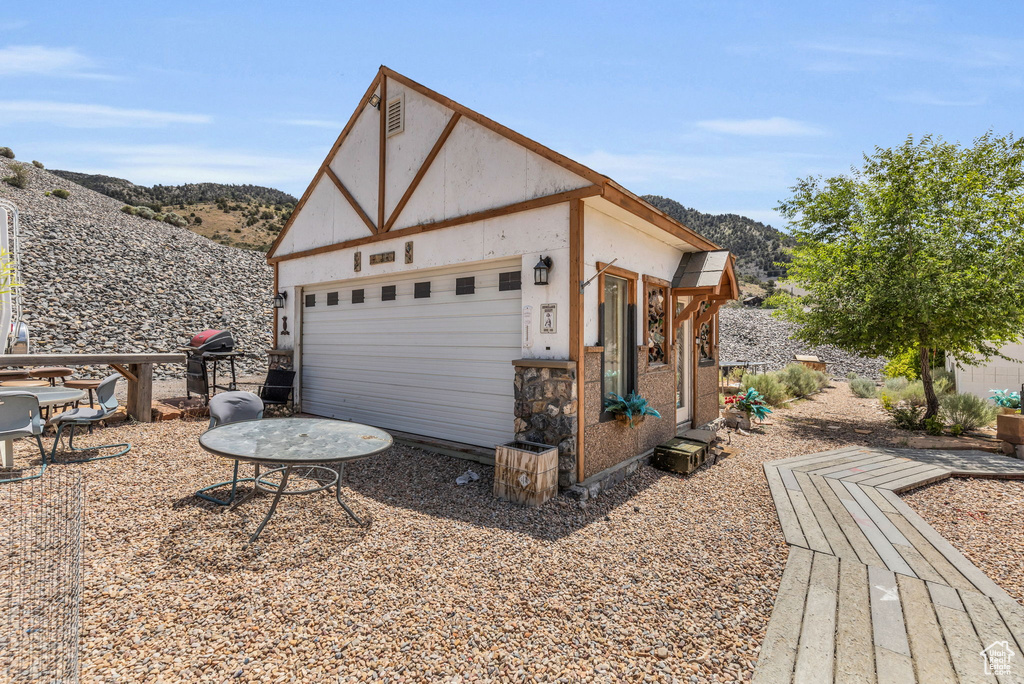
pixel 447 278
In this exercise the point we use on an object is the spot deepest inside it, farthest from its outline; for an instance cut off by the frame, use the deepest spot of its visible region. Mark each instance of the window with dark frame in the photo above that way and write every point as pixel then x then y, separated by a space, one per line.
pixel 388 293
pixel 421 291
pixel 615 336
pixel 357 296
pixel 465 286
pixel 311 300
pixel 332 299
pixel 510 280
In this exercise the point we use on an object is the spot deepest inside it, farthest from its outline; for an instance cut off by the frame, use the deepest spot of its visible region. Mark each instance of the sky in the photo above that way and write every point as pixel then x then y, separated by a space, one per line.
pixel 721 106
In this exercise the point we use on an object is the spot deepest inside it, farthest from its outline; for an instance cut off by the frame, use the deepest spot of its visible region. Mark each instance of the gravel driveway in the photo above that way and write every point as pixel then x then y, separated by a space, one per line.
pixel 665 578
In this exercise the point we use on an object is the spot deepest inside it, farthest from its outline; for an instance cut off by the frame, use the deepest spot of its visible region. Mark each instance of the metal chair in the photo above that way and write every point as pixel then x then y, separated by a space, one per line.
pixel 232 407
pixel 86 417
pixel 20 416
pixel 278 387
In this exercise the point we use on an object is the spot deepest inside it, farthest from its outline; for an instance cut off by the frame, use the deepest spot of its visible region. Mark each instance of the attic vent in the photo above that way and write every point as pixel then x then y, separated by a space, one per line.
pixel 395 113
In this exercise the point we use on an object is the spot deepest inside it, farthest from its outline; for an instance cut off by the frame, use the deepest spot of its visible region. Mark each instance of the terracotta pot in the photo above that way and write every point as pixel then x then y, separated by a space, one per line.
pixel 625 421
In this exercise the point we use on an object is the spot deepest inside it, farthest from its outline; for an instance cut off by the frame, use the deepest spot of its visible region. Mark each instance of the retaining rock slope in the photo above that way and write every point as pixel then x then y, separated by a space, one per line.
pixel 755 335
pixel 98 280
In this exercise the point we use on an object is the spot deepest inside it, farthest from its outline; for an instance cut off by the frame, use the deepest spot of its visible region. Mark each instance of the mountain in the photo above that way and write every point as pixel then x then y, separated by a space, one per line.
pixel 757 247
pixel 190 193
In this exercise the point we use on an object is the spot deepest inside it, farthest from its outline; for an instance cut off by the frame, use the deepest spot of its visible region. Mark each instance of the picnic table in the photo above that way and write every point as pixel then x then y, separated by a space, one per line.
pixel 136 368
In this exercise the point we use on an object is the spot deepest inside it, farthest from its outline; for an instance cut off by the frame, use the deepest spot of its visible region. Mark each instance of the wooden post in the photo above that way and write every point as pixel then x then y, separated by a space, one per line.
pixel 140 392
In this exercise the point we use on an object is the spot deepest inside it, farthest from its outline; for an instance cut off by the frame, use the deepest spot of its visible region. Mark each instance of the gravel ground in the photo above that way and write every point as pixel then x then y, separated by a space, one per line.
pixel 665 578
pixel 981 518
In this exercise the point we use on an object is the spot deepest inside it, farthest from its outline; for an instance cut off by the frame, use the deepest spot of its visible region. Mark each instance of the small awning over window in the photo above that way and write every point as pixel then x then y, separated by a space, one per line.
pixel 706 273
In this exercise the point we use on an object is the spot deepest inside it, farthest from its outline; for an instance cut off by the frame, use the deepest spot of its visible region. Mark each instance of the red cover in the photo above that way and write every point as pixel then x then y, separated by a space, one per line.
pixel 202 338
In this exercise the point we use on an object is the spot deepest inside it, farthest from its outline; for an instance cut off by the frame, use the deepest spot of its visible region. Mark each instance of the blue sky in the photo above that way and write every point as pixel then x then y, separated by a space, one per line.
pixel 719 105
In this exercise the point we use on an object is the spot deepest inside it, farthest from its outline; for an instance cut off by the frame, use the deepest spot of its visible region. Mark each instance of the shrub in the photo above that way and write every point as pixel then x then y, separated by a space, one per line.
pixel 128 209
pixel 38 164
pixel 144 212
pixel 906 364
pixel 913 394
pixel 767 385
pixel 198 221
pixel 863 388
pixel 908 417
pixel 158 217
pixel 18 177
pixel 943 375
pixel 966 410
pixel 62 193
pixel 175 219
pixel 6 152
pixel 799 380
pixel 851 376
pixel 46 194
pixel 896 384
pixel 933 426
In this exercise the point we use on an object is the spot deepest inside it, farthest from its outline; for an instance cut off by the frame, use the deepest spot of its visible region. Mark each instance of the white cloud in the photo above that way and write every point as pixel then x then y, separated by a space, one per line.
pixel 72 115
pixel 923 97
pixel 315 123
pixel 38 60
pixel 775 126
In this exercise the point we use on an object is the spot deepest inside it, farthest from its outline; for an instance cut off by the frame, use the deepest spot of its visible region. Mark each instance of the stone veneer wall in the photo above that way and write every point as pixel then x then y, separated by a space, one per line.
pixel 279 358
pixel 546 409
pixel 610 442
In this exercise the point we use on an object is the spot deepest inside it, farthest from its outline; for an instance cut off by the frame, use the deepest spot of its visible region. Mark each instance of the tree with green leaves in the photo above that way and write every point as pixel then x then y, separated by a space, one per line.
pixel 920 248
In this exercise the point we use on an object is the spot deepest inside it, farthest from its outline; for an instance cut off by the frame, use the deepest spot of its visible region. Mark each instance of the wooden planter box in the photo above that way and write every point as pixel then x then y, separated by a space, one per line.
pixel 525 472
pixel 1010 428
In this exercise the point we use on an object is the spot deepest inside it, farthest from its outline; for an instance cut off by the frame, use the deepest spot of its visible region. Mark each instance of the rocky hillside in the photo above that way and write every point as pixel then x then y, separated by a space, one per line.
pixel 757 247
pixel 190 193
pixel 96 279
pixel 754 335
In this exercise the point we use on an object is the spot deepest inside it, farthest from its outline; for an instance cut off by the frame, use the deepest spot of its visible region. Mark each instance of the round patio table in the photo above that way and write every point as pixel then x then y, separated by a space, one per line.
pixel 48 397
pixel 290 443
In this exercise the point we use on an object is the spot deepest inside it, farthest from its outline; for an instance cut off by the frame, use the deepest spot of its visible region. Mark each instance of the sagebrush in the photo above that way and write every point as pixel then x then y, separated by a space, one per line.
pixel 767 385
pixel 967 411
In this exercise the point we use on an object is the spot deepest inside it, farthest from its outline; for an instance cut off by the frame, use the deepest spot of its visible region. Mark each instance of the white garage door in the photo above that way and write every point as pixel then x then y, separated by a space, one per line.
pixel 437 364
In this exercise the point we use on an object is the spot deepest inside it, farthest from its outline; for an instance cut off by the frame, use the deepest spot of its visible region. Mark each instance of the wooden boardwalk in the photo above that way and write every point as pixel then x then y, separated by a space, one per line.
pixel 871 592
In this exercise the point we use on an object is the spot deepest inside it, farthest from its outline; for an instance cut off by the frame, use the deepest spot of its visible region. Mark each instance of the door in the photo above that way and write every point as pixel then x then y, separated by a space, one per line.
pixel 684 368
pixel 424 352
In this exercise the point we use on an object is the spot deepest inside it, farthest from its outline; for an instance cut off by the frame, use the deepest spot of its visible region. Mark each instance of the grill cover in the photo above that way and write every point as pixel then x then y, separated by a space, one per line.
pixel 212 341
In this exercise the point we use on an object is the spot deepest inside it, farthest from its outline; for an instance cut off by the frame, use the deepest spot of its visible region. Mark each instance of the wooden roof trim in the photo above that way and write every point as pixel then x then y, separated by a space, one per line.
pixel 327 160
pixel 527 205
pixel 504 131
pixel 434 151
pixel 329 172
pixel 618 195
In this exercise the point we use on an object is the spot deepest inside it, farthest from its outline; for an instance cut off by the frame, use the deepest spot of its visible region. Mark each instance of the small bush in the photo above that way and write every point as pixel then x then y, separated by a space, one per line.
pixel 18 177
pixel 175 219
pixel 896 384
pixel 906 364
pixel 6 152
pixel 933 426
pixel 799 380
pixel 158 217
pixel 913 394
pixel 966 410
pixel 144 212
pixel 863 388
pixel 38 164
pixel 908 417
pixel 128 209
pixel 768 385
pixel 198 221
pixel 851 376
pixel 62 193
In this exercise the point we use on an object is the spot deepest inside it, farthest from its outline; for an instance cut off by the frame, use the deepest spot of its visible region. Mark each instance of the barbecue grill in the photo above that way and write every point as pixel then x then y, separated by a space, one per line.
pixel 205 350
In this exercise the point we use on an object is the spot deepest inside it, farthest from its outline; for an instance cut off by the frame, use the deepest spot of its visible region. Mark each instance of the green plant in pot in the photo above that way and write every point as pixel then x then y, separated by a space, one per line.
pixel 631 410
pixel 750 403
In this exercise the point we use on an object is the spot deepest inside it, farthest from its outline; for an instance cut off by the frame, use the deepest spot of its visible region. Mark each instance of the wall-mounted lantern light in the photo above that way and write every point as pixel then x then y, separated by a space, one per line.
pixel 540 271
pixel 279 299
pixel 375 101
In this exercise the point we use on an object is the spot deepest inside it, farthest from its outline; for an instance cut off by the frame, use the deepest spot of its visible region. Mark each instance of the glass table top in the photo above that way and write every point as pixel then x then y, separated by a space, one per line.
pixel 295 440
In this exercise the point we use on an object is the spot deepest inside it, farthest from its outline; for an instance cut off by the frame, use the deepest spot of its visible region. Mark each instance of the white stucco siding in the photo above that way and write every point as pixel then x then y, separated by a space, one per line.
pixel 325 219
pixel 477 170
pixel 425 120
pixel 527 235
pixel 606 238
pixel 994 374
pixel 357 162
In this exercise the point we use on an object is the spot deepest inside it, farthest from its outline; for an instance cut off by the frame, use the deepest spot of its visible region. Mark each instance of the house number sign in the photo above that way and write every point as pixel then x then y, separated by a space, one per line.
pixel 382 258
pixel 548 318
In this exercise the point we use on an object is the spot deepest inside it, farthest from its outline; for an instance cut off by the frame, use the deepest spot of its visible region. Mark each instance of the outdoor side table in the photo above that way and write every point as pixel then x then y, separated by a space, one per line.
pixel 48 397
pixel 290 443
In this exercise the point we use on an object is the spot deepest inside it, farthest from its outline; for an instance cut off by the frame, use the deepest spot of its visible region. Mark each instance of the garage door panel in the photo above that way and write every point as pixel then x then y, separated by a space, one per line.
pixel 438 366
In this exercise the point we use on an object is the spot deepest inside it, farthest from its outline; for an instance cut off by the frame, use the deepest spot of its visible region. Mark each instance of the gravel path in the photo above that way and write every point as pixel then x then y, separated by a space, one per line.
pixel 665 578
pixel 982 519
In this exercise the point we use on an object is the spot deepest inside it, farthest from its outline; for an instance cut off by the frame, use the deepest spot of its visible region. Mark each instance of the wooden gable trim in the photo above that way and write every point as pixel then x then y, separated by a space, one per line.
pixel 536 203
pixel 636 206
pixel 504 131
pixel 351 199
pixel 326 162
pixel 434 151
pixel 381 170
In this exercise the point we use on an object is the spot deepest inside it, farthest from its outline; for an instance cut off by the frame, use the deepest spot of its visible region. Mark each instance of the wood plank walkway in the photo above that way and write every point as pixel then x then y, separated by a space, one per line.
pixel 871 592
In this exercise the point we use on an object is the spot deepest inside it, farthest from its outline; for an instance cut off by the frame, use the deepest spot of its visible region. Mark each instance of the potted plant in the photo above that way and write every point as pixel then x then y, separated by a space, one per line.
pixel 749 404
pixel 1007 400
pixel 631 410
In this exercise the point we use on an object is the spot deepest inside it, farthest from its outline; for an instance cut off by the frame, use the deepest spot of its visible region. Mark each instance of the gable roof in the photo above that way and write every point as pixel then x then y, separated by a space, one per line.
pixel 609 189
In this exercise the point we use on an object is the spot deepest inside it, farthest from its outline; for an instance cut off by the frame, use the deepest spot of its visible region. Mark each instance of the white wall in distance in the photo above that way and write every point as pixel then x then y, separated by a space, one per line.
pixel 994 374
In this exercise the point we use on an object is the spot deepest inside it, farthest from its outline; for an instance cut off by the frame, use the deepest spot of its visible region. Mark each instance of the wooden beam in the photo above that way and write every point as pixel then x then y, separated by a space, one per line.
pixel 536 203
pixel 438 144
pixel 709 312
pixel 351 200
pixel 87 359
pixel 607 269
pixel 688 310
pixel 140 393
pixel 638 207
pixel 381 173
pixel 576 349
pixel 128 375
pixel 325 164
